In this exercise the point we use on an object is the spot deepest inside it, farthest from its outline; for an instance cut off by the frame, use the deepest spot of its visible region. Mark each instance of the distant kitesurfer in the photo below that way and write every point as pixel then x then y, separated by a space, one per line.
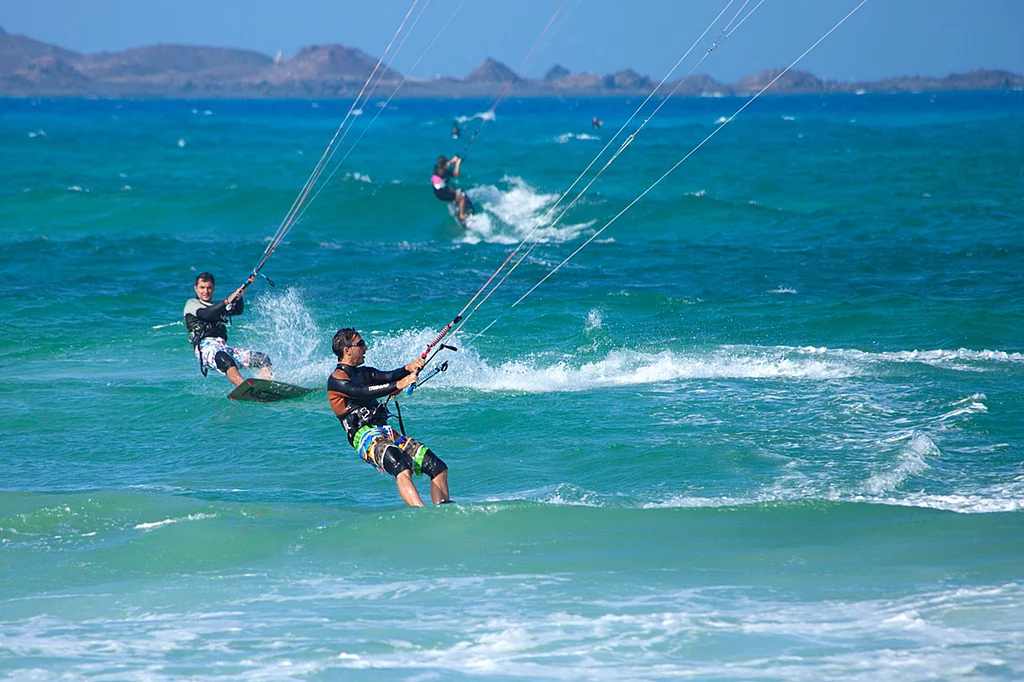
pixel 455 131
pixel 444 170
pixel 596 123
pixel 353 390
pixel 205 320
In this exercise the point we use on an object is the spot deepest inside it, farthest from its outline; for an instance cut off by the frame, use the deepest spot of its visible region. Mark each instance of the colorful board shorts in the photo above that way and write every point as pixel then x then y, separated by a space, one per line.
pixel 371 441
pixel 209 347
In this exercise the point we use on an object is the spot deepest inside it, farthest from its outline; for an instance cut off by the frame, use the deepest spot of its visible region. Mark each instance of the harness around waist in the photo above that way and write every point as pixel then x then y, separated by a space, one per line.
pixel 361 416
pixel 201 329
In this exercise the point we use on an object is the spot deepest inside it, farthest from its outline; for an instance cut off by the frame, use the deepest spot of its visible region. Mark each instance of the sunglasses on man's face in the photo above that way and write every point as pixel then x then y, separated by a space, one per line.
pixel 361 344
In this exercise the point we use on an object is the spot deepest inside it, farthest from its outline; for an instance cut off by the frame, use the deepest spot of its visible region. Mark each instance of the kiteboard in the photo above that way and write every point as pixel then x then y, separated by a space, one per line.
pixel 265 391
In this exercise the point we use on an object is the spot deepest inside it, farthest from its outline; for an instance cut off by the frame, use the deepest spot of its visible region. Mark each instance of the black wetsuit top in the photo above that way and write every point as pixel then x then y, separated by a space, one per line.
pixel 446 192
pixel 353 393
pixel 206 320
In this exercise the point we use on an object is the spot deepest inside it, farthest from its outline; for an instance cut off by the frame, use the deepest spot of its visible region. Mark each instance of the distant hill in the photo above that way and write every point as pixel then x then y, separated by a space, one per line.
pixel 792 81
pixel 30 68
pixel 172 64
pixel 16 51
pixel 698 84
pixel 556 72
pixel 628 80
pixel 328 62
pixel 491 71
pixel 51 72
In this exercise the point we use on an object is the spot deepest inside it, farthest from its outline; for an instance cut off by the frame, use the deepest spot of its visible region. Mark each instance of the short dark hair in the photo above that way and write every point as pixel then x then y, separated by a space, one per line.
pixel 343 338
pixel 204 277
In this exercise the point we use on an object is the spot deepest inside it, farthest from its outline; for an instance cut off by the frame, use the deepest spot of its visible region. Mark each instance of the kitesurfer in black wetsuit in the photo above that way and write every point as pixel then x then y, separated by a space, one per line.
pixel 353 390
pixel 443 171
pixel 205 322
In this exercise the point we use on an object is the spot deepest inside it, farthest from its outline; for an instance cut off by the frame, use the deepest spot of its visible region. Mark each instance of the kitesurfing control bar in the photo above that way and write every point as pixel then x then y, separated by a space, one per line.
pixel 443 367
pixel 252 278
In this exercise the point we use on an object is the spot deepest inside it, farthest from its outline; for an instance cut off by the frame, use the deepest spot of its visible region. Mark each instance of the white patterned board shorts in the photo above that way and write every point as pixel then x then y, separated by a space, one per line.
pixel 209 347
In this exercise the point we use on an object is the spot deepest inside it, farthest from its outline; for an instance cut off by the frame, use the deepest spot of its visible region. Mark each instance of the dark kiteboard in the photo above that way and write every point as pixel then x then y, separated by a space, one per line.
pixel 264 391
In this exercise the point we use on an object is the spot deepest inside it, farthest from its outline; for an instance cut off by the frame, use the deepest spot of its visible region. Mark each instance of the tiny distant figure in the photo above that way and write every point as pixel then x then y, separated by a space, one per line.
pixel 205 320
pixel 443 170
pixel 455 131
pixel 596 123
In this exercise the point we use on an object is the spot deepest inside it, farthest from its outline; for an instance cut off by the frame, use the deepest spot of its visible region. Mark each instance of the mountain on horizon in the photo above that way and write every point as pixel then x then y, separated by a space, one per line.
pixel 329 61
pixel 29 67
pixel 491 71
pixel 16 51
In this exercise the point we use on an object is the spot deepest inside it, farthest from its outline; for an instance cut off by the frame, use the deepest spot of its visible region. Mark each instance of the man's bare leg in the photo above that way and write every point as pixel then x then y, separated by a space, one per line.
pixel 407 490
pixel 233 376
pixel 439 488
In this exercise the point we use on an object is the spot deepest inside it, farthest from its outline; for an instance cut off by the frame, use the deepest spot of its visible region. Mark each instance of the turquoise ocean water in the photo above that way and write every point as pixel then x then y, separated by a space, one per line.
pixel 769 425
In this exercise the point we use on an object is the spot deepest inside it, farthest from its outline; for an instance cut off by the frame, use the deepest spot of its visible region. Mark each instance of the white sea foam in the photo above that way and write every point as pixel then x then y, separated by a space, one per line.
pixel 166 522
pixel 960 503
pixel 720 120
pixel 483 116
pixel 623 637
pixel 675 633
pixel 283 326
pixel 513 213
pixel 620 367
pixel 982 502
pixel 939 357
pixel 38 133
pixel 566 137
pixel 910 462
pixel 631 368
pixel 966 408
pixel 564 494
pixel 699 502
pixel 960 359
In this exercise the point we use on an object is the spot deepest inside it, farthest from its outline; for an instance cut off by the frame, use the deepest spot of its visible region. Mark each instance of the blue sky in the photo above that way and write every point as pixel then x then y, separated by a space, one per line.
pixel 885 38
